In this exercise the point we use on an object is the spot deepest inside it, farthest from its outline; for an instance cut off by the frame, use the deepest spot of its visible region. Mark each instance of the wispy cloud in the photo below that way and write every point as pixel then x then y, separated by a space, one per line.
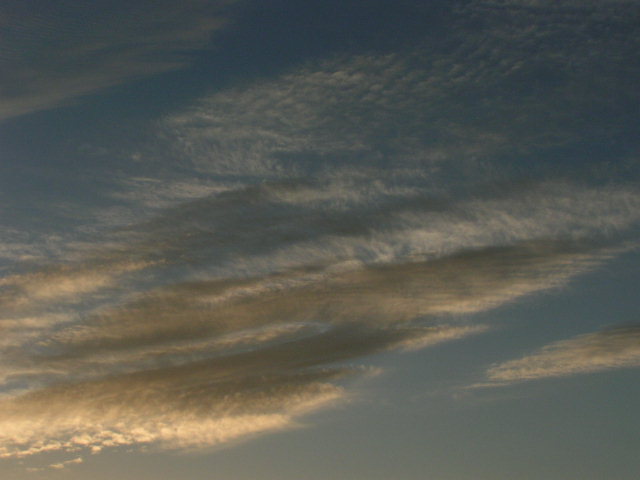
pixel 57 466
pixel 592 352
pixel 242 310
pixel 426 117
pixel 54 52
pixel 61 465
pixel 320 216
pixel 241 238
pixel 465 282
pixel 219 358
pixel 199 403
pixel 279 127
pixel 428 106
pixel 60 282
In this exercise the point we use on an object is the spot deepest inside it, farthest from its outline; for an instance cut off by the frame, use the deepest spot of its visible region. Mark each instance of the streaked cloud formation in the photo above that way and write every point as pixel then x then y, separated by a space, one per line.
pixel 280 232
pixel 53 52
pixel 242 311
pixel 617 347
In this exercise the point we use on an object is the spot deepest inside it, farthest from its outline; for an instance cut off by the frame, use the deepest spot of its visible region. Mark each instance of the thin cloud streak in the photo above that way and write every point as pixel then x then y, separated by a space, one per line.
pixel 57 52
pixel 613 348
pixel 60 282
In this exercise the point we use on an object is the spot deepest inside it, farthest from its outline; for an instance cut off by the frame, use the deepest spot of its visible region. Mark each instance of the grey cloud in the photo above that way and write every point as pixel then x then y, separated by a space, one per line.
pixel 281 225
pixel 196 393
pixel 429 108
pixel 54 52
pixel 279 128
pixel 463 283
pixel 617 347
pixel 222 357
pixel 284 252
pixel 277 254
pixel 301 221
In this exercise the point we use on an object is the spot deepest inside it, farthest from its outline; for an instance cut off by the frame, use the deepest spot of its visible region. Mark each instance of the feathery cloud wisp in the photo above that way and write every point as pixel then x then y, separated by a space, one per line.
pixel 592 352
pixel 62 50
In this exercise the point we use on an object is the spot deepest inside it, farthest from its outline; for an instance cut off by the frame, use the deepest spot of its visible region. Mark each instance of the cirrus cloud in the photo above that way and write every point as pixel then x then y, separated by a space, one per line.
pixel 613 348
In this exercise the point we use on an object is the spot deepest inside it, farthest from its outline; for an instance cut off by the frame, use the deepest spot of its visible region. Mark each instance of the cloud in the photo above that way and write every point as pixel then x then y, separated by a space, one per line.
pixel 200 403
pixel 284 224
pixel 260 264
pixel 239 310
pixel 466 282
pixel 259 250
pixel 61 465
pixel 322 215
pixel 60 282
pixel 53 53
pixel 255 230
pixel 456 107
pixel 617 347
pixel 280 127
pixel 218 359
pixel 436 116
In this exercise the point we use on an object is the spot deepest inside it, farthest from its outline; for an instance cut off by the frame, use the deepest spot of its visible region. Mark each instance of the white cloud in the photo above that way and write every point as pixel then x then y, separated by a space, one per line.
pixel 593 352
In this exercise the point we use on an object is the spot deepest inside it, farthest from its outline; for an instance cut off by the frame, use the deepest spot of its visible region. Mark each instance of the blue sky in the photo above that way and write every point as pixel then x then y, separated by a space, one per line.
pixel 352 240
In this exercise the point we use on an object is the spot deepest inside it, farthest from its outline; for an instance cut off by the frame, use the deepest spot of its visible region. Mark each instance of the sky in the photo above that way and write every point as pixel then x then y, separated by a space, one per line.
pixel 344 239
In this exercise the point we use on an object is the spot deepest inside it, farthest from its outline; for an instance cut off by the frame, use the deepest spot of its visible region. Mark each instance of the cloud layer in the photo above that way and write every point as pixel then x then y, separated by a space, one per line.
pixel 286 229
pixel 236 314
